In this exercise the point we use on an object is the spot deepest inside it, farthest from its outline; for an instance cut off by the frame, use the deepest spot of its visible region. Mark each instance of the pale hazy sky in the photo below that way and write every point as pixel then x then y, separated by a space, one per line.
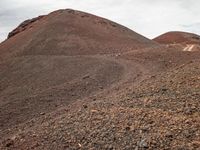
pixel 147 17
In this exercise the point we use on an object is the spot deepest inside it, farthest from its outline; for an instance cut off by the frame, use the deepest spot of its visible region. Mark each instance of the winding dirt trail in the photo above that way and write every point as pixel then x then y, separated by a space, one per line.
pixel 106 77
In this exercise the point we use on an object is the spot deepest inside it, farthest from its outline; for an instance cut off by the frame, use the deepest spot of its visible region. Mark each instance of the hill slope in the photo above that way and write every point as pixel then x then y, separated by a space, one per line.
pixel 178 38
pixel 70 80
pixel 71 32
pixel 51 61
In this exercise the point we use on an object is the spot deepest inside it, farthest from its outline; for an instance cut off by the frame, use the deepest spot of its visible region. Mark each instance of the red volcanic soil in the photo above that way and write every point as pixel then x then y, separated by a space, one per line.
pixel 178 38
pixel 72 80
pixel 70 32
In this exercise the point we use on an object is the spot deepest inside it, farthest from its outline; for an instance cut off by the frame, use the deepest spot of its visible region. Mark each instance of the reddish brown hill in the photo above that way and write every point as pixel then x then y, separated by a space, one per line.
pixel 50 61
pixel 58 92
pixel 178 38
pixel 71 32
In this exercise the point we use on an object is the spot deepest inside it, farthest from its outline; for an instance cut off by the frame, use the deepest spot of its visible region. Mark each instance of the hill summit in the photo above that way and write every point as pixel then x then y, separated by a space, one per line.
pixel 71 32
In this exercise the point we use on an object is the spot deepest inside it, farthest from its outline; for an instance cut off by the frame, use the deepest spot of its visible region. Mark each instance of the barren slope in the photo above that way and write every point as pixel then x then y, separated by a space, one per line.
pixel 70 32
pixel 64 86
pixel 178 38
pixel 161 112
pixel 51 61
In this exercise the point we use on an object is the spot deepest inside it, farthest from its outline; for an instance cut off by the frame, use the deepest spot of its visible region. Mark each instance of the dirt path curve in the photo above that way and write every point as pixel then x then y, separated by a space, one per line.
pixel 133 73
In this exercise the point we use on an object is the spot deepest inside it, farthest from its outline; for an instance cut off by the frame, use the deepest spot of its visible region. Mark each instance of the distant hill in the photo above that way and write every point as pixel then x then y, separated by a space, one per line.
pixel 178 38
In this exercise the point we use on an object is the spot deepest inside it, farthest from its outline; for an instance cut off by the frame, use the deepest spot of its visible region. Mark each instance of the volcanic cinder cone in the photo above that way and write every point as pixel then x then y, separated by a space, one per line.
pixel 70 32
pixel 37 72
pixel 178 38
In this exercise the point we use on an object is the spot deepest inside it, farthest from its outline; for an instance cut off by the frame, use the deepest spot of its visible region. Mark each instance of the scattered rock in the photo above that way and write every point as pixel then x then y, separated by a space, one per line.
pixel 85 106
pixel 86 77
pixel 9 143
pixel 143 144
pixel 42 113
